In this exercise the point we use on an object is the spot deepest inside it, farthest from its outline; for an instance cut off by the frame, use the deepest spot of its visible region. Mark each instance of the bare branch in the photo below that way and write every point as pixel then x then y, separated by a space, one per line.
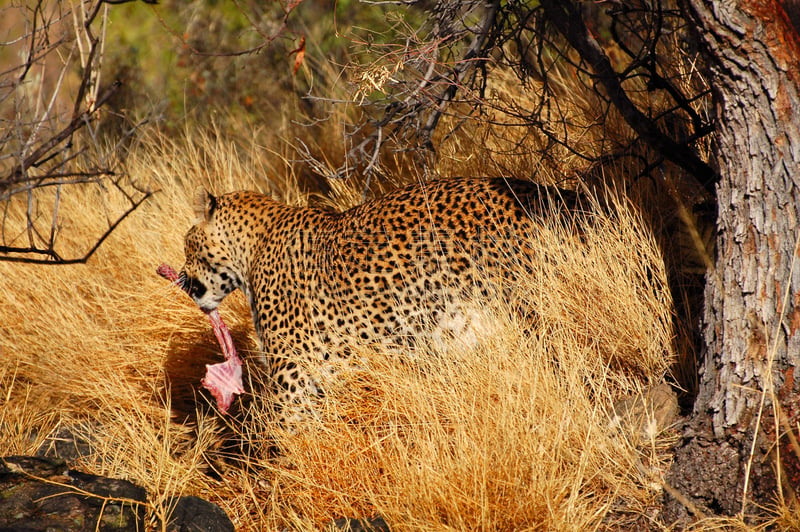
pixel 46 151
pixel 472 58
pixel 75 124
pixel 567 18
pixel 20 254
pixel 445 66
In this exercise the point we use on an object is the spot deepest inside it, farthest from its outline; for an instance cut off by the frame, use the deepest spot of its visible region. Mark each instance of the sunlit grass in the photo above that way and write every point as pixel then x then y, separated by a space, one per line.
pixel 508 435
pixel 514 433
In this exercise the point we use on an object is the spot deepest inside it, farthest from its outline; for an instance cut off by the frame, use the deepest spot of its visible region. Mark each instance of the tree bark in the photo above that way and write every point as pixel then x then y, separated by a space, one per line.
pixel 728 460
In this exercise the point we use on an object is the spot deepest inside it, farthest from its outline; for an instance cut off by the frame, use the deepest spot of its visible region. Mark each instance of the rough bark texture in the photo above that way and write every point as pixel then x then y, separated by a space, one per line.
pixel 752 299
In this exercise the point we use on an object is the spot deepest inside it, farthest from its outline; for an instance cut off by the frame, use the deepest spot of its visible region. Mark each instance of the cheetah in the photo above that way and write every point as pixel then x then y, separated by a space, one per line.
pixel 385 272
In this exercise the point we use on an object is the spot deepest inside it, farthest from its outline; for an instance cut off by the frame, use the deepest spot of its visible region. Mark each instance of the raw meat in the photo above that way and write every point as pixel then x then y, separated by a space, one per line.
pixel 223 380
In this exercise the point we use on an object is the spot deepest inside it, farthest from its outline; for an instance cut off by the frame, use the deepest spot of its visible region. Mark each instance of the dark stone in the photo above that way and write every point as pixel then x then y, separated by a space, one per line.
pixel 373 524
pixel 66 444
pixel 43 494
pixel 193 514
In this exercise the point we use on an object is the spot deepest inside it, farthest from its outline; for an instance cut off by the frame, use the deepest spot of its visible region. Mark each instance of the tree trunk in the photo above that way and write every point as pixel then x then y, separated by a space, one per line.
pixel 728 460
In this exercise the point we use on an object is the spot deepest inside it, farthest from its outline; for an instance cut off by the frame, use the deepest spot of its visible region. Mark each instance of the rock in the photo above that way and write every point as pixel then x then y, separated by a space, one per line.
pixel 38 494
pixel 193 514
pixel 42 494
pixel 66 444
pixel 647 413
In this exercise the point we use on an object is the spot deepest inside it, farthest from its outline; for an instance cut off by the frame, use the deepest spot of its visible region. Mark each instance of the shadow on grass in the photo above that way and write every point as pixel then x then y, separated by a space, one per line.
pixel 185 368
pixel 241 435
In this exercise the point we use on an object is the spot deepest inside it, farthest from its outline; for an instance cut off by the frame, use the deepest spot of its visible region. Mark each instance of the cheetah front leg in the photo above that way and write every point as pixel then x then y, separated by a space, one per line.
pixel 295 393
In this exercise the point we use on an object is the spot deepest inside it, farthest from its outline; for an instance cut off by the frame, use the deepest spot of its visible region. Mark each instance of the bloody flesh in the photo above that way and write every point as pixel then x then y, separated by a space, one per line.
pixel 223 380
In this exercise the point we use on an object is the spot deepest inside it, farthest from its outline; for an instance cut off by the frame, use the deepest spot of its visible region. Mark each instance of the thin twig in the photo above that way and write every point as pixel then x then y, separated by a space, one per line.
pixel 7 252
pixel 567 18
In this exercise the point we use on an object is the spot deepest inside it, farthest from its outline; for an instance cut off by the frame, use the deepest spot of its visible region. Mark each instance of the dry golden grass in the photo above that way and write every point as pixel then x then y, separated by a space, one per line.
pixel 511 435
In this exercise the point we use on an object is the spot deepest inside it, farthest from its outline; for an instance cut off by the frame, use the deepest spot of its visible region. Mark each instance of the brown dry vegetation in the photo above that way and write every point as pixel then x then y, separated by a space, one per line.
pixel 514 434
pixel 510 435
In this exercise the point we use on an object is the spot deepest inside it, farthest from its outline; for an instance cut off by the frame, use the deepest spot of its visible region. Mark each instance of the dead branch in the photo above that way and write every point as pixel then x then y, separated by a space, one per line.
pixel 445 65
pixel 567 18
pixel 43 150
pixel 22 254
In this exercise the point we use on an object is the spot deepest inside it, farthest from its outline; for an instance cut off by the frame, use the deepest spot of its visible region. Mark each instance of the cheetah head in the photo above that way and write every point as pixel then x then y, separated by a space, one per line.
pixel 209 273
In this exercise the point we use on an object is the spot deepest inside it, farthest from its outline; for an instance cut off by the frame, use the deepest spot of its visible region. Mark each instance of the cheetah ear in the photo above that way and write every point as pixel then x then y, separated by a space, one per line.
pixel 204 205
